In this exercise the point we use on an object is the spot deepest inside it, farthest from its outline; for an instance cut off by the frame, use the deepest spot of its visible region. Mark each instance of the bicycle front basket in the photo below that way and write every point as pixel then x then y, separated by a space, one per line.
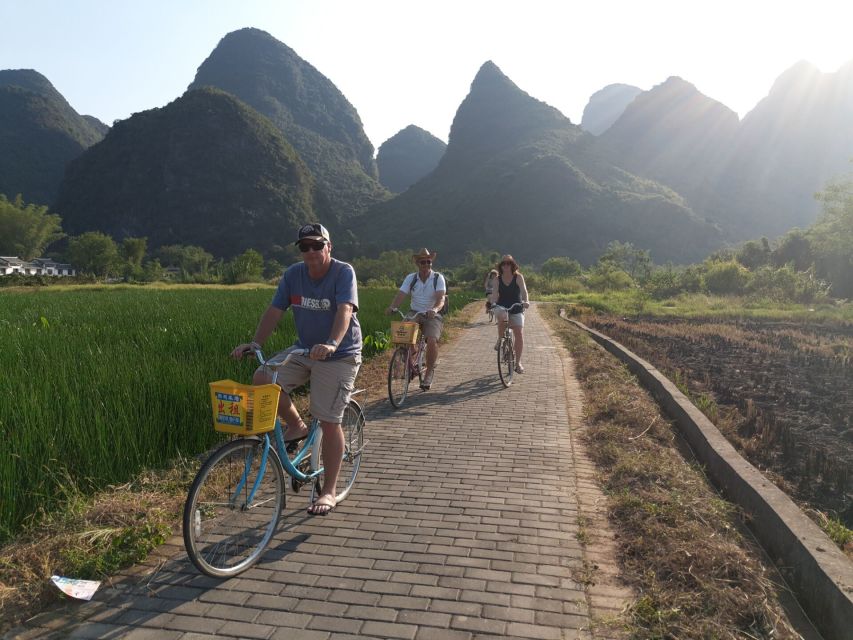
pixel 242 408
pixel 404 332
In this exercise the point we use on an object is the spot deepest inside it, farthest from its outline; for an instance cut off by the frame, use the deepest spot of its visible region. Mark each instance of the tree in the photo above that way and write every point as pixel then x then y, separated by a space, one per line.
pixel 794 249
pixel 247 267
pixel 26 230
pixel 133 250
pixel 637 263
pixel 832 237
pixel 562 267
pixel 390 266
pixel 189 258
pixel 754 254
pixel 726 278
pixel 93 252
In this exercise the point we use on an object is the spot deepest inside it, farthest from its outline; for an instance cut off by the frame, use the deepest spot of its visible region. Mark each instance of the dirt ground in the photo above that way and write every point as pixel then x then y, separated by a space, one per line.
pixel 783 392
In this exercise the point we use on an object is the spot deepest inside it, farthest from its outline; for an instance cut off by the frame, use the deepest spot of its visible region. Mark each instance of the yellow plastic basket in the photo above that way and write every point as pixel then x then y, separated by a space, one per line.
pixel 243 409
pixel 404 332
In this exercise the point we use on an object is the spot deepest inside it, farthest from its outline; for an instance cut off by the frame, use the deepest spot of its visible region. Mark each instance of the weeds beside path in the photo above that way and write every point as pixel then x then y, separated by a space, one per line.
pixel 680 544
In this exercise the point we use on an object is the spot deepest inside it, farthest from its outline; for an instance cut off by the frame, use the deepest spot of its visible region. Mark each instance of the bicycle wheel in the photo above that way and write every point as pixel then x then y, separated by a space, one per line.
pixel 506 361
pixel 224 532
pixel 421 360
pixel 398 377
pixel 353 428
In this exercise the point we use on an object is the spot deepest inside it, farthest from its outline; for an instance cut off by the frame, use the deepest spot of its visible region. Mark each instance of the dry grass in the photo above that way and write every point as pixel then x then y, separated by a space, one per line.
pixel 681 545
pixel 95 536
pixel 90 538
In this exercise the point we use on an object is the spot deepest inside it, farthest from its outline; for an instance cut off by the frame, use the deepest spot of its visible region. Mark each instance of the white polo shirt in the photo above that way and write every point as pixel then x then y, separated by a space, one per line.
pixel 423 295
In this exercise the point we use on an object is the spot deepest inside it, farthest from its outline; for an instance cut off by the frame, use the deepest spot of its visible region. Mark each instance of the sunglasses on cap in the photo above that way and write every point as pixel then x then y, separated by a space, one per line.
pixel 304 247
pixel 424 261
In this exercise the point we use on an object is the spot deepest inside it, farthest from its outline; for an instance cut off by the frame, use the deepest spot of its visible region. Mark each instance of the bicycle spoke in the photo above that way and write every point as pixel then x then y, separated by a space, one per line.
pixel 223 537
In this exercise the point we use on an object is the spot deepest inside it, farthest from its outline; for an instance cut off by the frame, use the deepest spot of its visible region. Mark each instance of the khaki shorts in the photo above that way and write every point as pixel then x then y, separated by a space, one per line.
pixel 515 319
pixel 332 383
pixel 431 327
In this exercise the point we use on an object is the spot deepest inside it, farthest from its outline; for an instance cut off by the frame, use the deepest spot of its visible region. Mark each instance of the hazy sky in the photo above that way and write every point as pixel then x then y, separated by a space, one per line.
pixel 402 62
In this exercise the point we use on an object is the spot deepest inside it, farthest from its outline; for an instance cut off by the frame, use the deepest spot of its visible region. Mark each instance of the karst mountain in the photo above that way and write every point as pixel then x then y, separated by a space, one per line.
pixel 518 176
pixel 754 177
pixel 408 156
pixel 204 170
pixel 262 141
pixel 606 105
pixel 39 133
pixel 309 110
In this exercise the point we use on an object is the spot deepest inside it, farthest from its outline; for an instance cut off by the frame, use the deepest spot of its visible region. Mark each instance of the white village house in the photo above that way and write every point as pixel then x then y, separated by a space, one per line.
pixel 10 265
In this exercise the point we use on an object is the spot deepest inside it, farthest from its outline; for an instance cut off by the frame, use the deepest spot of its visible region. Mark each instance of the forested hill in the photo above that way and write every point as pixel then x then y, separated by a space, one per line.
pixel 788 147
pixel 754 177
pixel 676 135
pixel 519 176
pixel 408 156
pixel 606 105
pixel 39 133
pixel 204 170
pixel 307 107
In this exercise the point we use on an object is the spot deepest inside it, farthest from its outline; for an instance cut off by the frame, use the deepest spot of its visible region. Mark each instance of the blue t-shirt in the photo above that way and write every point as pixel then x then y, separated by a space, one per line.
pixel 315 303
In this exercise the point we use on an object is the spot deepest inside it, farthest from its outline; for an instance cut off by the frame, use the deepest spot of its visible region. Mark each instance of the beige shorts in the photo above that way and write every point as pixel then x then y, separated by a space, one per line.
pixel 515 319
pixel 332 383
pixel 431 327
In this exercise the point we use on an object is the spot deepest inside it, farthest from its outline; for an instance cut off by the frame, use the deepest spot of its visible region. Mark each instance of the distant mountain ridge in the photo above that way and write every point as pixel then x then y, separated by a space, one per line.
pixel 307 107
pixel 794 140
pixel 606 105
pixel 205 170
pixel 754 177
pixel 408 156
pixel 675 135
pixel 518 176
pixel 39 133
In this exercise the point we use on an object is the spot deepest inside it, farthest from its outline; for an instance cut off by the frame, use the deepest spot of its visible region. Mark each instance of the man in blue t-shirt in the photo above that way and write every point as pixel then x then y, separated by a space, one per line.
pixel 323 294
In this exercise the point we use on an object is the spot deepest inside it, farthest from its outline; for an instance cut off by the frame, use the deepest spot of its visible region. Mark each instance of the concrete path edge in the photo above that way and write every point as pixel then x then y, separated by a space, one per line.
pixel 817 571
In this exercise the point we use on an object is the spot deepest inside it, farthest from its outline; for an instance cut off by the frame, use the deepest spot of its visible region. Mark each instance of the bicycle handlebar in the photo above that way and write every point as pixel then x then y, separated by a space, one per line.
pixel 417 313
pixel 511 307
pixel 290 352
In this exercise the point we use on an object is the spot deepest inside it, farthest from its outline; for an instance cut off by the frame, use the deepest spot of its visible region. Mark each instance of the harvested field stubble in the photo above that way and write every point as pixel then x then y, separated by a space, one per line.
pixel 782 393
pixel 680 544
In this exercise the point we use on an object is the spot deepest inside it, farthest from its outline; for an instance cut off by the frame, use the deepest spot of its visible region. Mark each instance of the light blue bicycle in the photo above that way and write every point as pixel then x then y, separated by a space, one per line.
pixel 237 498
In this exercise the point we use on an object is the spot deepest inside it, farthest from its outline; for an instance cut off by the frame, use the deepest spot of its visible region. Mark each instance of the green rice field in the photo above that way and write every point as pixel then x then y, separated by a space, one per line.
pixel 97 383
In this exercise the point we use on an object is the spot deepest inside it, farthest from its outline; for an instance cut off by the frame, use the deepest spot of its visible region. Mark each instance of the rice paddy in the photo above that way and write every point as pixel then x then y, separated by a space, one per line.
pixel 97 383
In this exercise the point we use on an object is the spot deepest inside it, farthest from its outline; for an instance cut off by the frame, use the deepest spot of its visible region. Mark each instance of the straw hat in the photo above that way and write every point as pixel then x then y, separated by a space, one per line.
pixel 424 254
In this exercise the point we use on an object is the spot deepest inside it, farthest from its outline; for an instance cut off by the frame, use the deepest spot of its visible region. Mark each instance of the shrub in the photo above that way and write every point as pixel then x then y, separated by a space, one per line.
pixel 606 277
pixel 726 278
pixel 561 267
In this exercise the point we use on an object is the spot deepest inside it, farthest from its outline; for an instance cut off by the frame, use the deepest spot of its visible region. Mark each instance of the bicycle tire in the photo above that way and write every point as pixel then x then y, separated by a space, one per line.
pixel 223 535
pixel 352 424
pixel 421 359
pixel 506 361
pixel 398 377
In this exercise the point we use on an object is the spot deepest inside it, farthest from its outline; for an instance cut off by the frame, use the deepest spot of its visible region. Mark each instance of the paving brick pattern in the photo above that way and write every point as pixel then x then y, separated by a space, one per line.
pixel 463 525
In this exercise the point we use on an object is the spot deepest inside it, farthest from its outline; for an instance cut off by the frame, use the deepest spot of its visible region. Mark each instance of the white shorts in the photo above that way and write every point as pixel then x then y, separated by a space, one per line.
pixel 515 319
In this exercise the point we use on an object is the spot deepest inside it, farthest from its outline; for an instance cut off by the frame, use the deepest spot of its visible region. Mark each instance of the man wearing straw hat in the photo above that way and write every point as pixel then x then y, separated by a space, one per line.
pixel 427 289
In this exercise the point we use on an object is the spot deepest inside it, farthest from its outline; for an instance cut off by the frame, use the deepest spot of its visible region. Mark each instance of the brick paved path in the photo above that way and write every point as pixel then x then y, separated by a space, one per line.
pixel 463 524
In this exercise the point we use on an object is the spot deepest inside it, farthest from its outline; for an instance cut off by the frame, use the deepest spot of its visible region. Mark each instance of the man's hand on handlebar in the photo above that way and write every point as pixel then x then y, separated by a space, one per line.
pixel 390 310
pixel 321 351
pixel 243 349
